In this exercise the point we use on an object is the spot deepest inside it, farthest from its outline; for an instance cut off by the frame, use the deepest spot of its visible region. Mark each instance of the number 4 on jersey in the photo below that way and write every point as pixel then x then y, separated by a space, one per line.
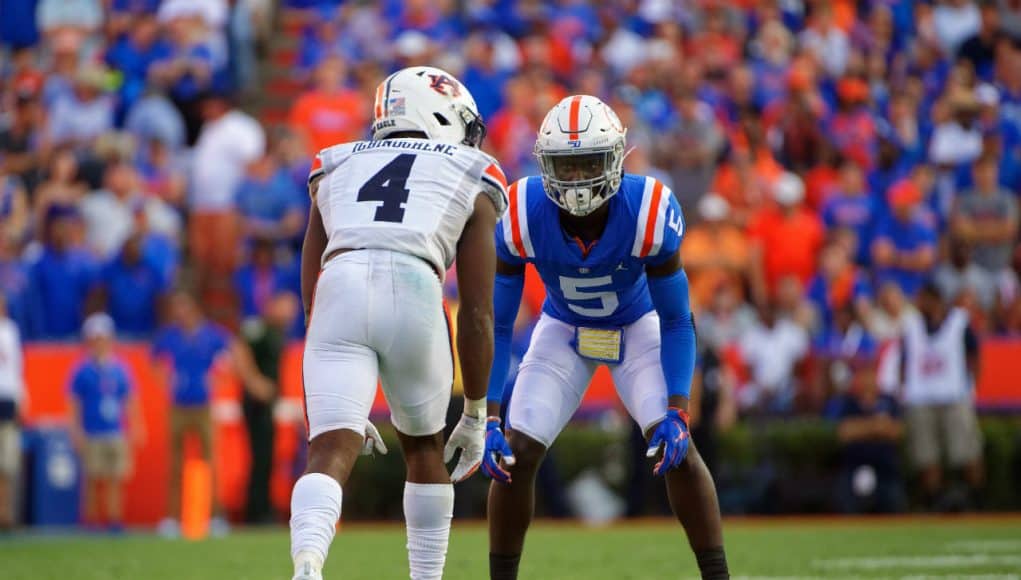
pixel 388 186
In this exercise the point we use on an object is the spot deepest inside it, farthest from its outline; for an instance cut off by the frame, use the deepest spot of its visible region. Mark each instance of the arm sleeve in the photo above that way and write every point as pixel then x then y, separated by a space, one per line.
pixel 676 329
pixel 506 300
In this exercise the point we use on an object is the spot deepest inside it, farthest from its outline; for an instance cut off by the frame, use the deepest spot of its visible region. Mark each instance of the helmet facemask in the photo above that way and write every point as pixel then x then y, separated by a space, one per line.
pixel 474 128
pixel 579 182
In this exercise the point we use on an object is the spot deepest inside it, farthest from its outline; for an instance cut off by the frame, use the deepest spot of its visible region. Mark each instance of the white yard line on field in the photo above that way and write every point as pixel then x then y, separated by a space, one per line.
pixel 764 577
pixel 951 576
pixel 792 578
pixel 909 577
pixel 963 577
pixel 929 561
pixel 984 546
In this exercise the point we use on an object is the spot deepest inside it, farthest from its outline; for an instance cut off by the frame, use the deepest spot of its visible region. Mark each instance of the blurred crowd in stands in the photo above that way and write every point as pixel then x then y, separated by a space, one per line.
pixel 835 159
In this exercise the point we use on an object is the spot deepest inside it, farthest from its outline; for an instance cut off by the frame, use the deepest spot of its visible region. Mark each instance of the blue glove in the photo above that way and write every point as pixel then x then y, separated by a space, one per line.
pixel 672 434
pixel 496 447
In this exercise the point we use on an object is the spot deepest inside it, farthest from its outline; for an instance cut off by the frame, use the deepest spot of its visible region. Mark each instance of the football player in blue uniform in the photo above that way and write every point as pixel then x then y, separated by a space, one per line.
pixel 606 246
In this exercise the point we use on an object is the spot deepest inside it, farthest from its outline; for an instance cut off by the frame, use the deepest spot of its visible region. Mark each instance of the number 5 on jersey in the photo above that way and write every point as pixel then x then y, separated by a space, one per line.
pixel 578 289
pixel 388 185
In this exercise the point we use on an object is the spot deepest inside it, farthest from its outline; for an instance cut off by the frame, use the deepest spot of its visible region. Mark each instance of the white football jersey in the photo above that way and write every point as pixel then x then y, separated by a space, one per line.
pixel 406 195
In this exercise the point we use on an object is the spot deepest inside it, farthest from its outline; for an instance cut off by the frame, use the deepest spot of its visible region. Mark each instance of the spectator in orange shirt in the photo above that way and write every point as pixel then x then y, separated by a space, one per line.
pixel 823 177
pixel 715 251
pixel 798 117
pixel 718 41
pixel 785 239
pixel 746 177
pixel 329 113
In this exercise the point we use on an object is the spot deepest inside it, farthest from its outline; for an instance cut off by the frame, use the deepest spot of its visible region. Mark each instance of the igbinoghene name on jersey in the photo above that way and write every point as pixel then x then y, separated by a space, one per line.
pixel 413 144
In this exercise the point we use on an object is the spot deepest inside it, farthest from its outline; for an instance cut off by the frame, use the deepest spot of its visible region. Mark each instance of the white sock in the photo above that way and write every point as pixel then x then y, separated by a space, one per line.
pixel 315 509
pixel 428 509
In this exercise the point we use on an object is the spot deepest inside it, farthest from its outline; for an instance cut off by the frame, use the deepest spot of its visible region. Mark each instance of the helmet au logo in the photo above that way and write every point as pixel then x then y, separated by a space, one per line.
pixel 440 83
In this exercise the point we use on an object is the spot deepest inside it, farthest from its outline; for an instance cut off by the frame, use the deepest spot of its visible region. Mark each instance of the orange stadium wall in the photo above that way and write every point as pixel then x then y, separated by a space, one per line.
pixel 48 369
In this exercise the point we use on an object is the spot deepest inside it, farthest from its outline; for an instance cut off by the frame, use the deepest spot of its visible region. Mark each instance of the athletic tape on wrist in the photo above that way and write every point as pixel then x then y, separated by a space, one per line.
pixel 475 407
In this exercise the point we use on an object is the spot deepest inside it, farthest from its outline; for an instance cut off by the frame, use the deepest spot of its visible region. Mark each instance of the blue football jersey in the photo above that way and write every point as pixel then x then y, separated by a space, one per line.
pixel 607 287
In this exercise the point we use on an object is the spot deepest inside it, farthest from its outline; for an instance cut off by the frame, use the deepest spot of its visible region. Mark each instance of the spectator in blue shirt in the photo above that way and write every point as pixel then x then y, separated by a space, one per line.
pixel 869 428
pixel 85 114
pixel 270 204
pixel 133 289
pixel 185 352
pixel 123 15
pixel 851 207
pixel 61 278
pixel 481 75
pixel 261 278
pixel 891 166
pixel 133 55
pixel 904 247
pixel 185 68
pixel 103 399
pixel 838 284
pixel 158 249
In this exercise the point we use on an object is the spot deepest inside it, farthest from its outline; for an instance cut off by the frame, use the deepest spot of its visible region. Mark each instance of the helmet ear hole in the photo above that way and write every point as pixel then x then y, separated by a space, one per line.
pixel 441 119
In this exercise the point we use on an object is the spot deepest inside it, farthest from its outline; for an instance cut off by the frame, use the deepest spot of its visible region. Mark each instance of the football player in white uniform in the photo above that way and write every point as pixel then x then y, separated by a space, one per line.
pixel 389 216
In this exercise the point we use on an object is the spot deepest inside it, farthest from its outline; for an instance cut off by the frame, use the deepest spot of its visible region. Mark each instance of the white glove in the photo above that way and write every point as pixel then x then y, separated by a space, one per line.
pixel 470 437
pixel 373 442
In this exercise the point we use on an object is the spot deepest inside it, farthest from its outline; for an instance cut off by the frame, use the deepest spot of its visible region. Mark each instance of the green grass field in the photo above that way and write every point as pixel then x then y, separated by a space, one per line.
pixel 898 548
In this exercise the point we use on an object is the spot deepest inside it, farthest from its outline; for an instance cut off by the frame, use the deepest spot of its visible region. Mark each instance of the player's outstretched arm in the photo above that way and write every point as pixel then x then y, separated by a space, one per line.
pixel 509 286
pixel 476 268
pixel 510 282
pixel 668 288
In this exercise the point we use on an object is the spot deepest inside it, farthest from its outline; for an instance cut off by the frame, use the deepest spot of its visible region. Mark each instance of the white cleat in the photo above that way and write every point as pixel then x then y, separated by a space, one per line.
pixel 307 566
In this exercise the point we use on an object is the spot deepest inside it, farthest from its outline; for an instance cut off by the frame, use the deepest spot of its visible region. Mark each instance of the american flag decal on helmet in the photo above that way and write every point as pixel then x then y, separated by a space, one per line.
pixel 395 106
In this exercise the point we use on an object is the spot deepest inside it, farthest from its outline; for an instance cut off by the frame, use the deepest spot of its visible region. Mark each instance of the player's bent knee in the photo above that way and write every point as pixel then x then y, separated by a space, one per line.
pixel 423 456
pixel 421 445
pixel 528 452
pixel 334 453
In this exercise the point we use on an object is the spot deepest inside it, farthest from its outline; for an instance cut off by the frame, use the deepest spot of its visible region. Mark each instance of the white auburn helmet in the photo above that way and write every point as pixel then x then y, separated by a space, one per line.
pixel 580 148
pixel 429 100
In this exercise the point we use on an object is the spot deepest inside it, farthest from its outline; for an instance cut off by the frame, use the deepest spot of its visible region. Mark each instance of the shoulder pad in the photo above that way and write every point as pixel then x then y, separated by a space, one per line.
pixel 495 186
pixel 660 224
pixel 515 222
